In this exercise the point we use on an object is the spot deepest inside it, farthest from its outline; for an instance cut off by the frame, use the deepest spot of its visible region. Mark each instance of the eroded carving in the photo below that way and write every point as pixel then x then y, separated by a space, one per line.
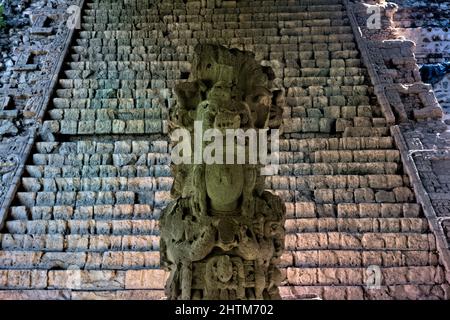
pixel 222 235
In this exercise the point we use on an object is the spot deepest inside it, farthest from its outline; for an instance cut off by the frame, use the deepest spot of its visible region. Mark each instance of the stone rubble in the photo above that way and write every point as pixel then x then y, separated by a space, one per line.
pixel 427 24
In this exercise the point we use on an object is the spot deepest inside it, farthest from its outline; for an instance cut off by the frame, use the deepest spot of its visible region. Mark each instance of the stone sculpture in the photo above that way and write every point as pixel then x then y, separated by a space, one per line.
pixel 222 235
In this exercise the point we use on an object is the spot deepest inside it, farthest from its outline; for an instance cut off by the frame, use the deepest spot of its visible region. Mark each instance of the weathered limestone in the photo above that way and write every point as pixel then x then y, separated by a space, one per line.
pixel 210 243
pixel 418 136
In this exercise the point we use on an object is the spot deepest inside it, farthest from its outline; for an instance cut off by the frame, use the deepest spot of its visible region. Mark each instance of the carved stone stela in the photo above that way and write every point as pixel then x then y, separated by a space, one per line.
pixel 223 234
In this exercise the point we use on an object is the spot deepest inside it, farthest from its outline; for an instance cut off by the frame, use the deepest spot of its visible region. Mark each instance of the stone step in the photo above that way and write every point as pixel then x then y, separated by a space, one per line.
pixel 79 243
pixel 107 114
pixel 151 227
pixel 148 93
pixel 96 159
pixel 114 9
pixel 146 30
pixel 108 127
pixel 278 44
pixel 428 275
pixel 97 212
pixel 291 164
pixel 347 143
pixel 158 149
pixel 329 125
pixel 366 132
pixel 184 54
pixel 318 28
pixel 82 279
pixel 82 295
pixel 83 227
pixel 230 4
pixel 135 164
pixel 116 260
pixel 144 211
pixel 217 15
pixel 288 2
pixel 293 242
pixel 82 56
pixel 293 193
pixel 123 145
pixel 111 84
pixel 343 292
pixel 153 17
pixel 319 107
pixel 359 241
pixel 136 146
pixel 157 199
pixel 160 39
pixel 340 168
pixel 153 102
pixel 362 195
pixel 308 209
pixel 358 225
pixel 174 78
pixel 82 121
pixel 333 94
pixel 142 54
pixel 204 22
pixel 120 66
pixel 322 81
pixel 154 278
pixel 243 26
pixel 349 156
pixel 330 71
pixel 132 171
pixel 385 182
pixel 353 258
pixel 114 31
pixel 322 58
pixel 108 260
pixel 334 106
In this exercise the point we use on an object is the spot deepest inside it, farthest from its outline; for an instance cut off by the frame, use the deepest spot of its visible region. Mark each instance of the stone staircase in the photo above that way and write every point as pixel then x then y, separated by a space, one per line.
pixel 84 223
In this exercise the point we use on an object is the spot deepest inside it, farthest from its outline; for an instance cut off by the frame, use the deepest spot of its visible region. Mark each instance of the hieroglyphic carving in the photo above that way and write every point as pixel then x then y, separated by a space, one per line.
pixel 395 76
pixel 392 67
pixel 222 235
pixel 38 65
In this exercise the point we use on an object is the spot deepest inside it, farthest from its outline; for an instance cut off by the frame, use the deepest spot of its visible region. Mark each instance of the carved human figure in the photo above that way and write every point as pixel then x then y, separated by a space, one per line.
pixel 223 234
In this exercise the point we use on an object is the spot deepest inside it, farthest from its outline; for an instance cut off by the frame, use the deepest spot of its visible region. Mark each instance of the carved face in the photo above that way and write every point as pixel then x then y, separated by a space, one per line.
pixel 8 163
pixel 227 89
pixel 273 229
pixel 224 184
pixel 221 110
pixel 260 102
pixel 223 105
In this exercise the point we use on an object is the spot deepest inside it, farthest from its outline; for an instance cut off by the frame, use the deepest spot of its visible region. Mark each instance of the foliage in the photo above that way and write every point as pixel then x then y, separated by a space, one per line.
pixel 2 20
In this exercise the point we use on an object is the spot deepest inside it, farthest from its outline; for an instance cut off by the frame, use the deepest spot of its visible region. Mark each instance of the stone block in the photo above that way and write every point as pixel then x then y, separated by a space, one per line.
pixel 103 127
pixel 145 279
pixel 310 125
